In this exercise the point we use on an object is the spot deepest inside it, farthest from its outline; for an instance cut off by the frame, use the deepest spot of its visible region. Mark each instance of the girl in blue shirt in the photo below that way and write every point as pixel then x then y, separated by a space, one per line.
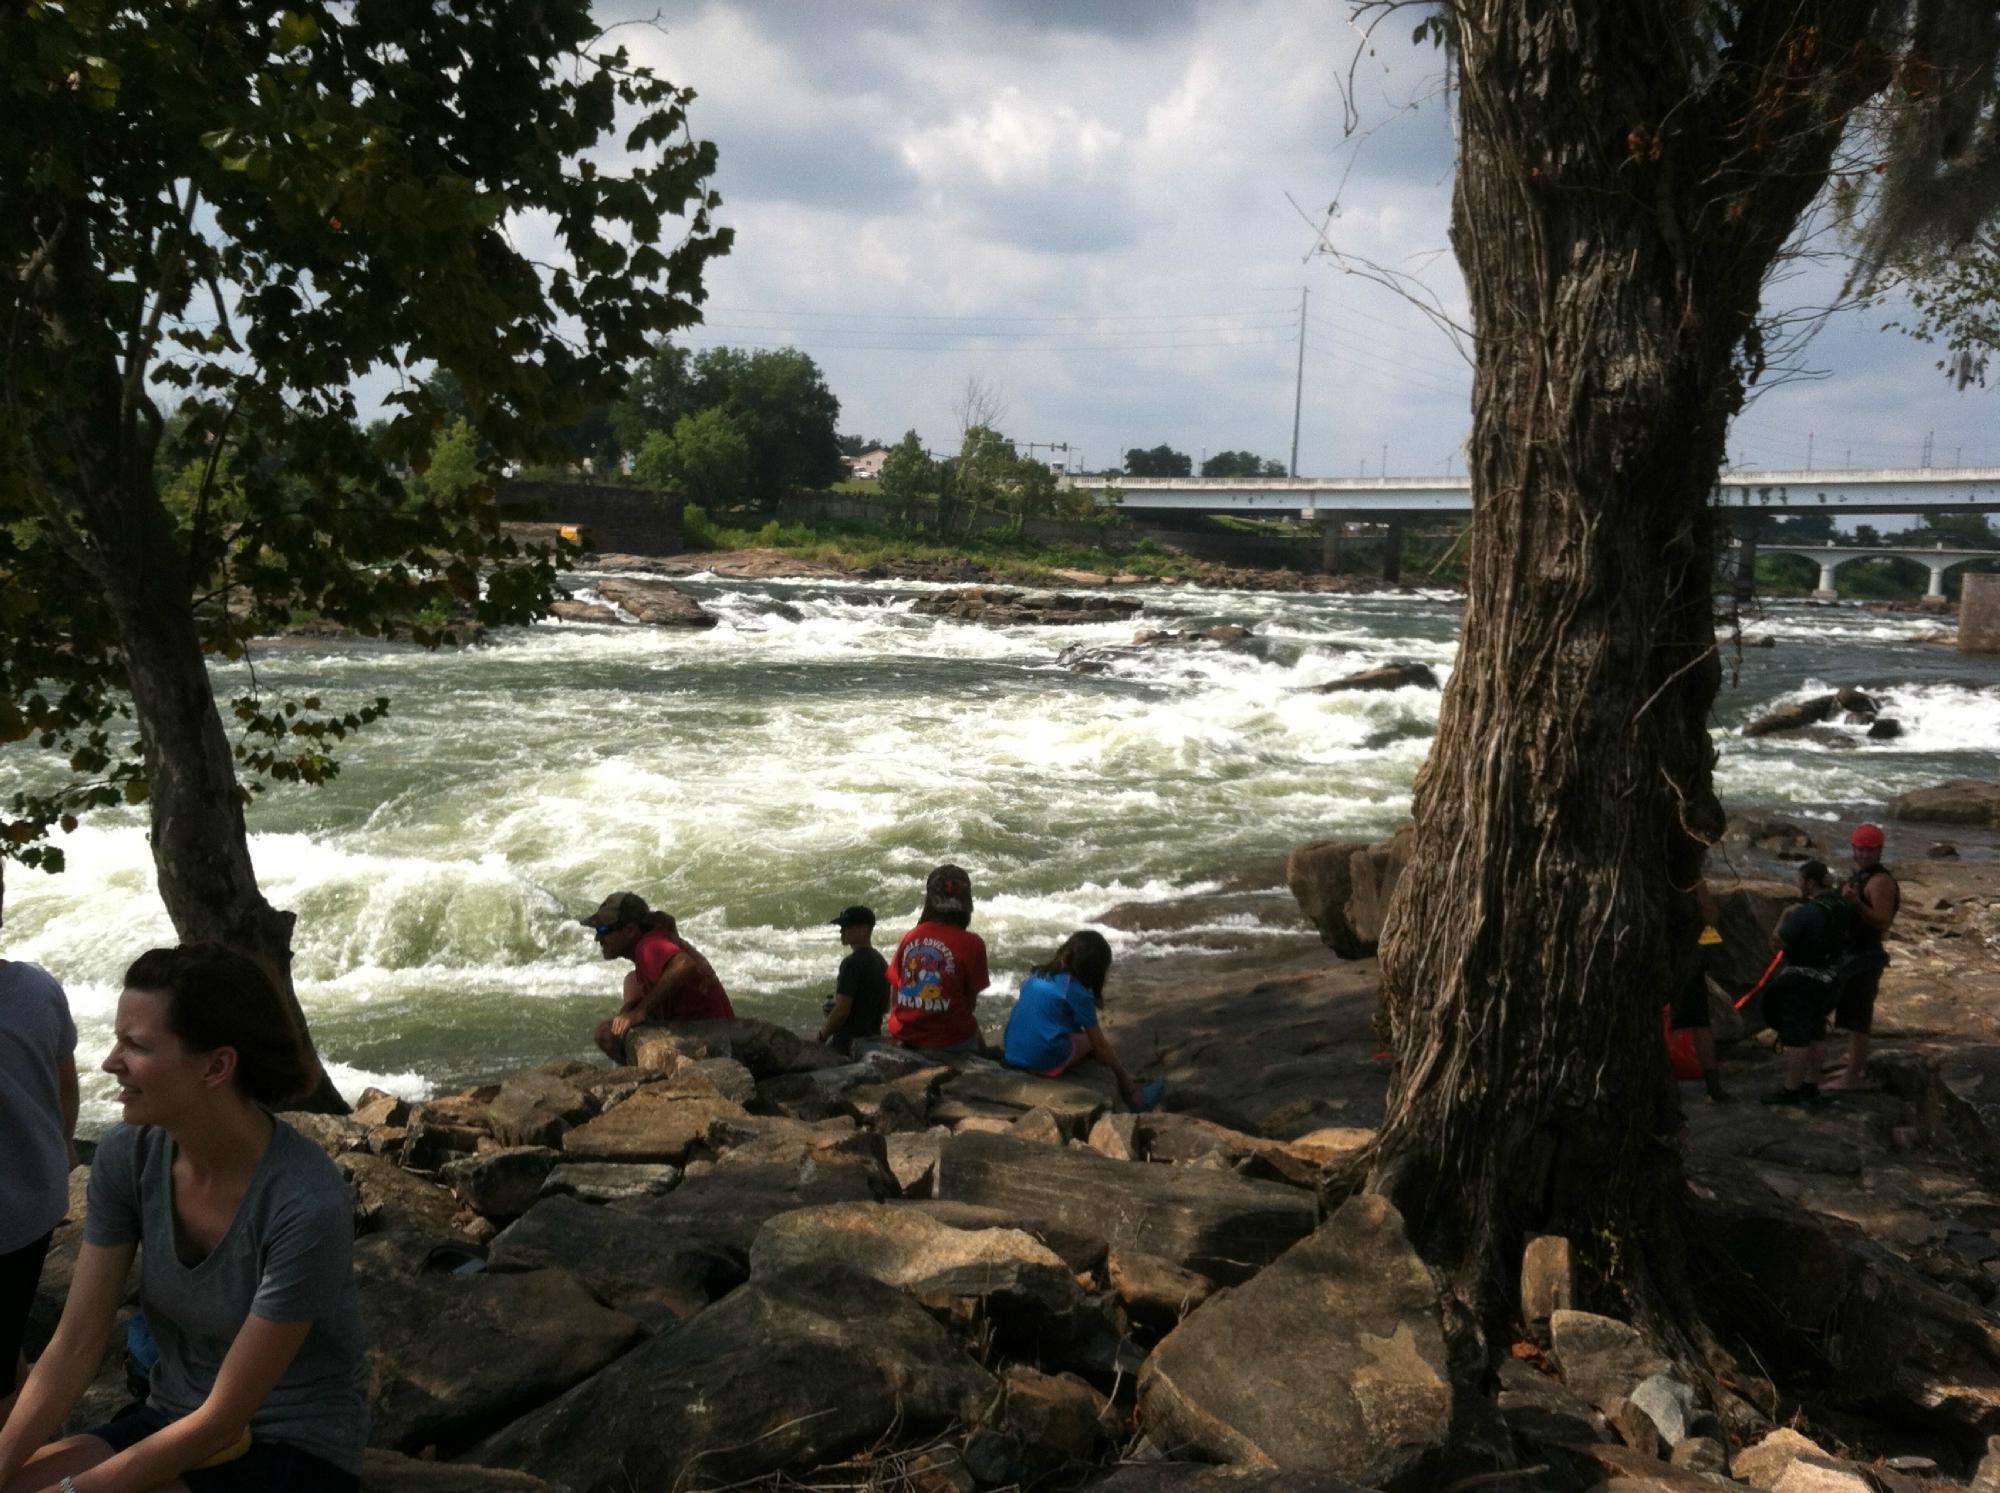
pixel 1054 1022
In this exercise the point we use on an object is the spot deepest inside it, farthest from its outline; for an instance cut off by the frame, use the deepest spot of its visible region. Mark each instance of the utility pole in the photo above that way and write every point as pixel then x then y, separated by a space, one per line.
pixel 1299 382
pixel 1809 453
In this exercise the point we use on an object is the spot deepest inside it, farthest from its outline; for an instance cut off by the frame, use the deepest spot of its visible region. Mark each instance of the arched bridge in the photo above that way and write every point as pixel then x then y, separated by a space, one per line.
pixel 1830 557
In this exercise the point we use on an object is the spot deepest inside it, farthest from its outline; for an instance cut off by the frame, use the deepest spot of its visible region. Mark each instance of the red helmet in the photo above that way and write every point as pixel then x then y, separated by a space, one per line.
pixel 1866 837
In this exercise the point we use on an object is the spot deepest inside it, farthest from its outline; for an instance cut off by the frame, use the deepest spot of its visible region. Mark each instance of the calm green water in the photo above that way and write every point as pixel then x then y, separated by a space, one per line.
pixel 823 746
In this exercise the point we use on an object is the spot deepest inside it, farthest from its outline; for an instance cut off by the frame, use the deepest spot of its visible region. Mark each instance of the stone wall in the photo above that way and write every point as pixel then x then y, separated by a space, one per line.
pixel 1979 612
pixel 620 520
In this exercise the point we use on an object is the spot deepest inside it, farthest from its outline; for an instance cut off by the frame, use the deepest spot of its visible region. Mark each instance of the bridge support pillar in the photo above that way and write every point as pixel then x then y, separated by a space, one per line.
pixel 1392 553
pixel 1743 574
pixel 1330 525
pixel 1827 590
pixel 1979 612
pixel 1936 592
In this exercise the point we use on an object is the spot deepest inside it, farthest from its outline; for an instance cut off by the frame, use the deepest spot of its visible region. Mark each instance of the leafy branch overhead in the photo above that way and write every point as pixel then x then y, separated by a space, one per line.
pixel 219 218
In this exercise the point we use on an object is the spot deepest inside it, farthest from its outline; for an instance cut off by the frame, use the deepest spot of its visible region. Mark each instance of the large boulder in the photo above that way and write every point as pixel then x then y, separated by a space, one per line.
pixel 1201 1477
pixel 763 1047
pixel 1769 835
pixel 1073 1104
pixel 657 603
pixel 1793 717
pixel 1388 676
pixel 1331 1360
pixel 789 1372
pixel 676 1252
pixel 502 1183
pixel 1601 1358
pixel 1966 801
pixel 452 1358
pixel 535 1108
pixel 1372 876
pixel 1319 875
pixel 1213 1222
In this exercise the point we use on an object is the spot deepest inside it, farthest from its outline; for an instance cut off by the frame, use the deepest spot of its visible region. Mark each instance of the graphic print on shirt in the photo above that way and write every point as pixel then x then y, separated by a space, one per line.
pixel 921 973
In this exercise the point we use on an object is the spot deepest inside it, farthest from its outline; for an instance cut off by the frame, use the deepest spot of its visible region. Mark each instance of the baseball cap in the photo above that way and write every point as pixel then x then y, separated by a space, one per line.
pixel 1866 837
pixel 948 889
pixel 855 916
pixel 616 910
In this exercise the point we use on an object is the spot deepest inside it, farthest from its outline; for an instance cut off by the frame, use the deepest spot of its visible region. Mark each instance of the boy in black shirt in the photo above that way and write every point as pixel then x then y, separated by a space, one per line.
pixel 861 989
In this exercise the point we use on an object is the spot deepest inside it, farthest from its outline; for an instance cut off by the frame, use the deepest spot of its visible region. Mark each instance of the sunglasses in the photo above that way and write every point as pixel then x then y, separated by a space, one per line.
pixel 598 930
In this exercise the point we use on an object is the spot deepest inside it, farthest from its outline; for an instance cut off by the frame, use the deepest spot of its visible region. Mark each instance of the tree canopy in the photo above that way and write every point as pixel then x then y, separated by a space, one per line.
pixel 1240 464
pixel 219 218
pixel 1160 461
pixel 776 400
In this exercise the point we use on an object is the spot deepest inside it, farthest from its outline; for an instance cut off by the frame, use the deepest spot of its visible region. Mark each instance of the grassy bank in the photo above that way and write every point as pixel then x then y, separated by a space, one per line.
pixel 858 543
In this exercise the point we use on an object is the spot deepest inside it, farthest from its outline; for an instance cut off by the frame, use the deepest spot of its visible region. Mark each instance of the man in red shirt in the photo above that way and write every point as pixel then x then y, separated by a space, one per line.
pixel 939 970
pixel 670 980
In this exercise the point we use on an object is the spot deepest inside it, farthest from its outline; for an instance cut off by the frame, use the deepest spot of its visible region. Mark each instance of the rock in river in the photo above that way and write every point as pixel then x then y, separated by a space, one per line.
pixel 1961 801
pixel 999 606
pixel 658 603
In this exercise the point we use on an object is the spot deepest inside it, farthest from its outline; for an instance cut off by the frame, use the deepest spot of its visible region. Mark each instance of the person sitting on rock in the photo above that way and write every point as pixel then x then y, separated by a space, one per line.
pixel 1873 898
pixel 1054 1024
pixel 860 988
pixel 938 970
pixel 670 980
pixel 244 1236
pixel 1811 935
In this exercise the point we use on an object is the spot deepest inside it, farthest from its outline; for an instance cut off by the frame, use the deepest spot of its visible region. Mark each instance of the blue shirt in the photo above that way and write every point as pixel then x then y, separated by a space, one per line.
pixel 1049 1008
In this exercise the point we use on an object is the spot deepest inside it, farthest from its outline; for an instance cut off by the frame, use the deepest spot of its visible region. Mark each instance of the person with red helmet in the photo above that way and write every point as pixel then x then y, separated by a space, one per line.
pixel 1872 898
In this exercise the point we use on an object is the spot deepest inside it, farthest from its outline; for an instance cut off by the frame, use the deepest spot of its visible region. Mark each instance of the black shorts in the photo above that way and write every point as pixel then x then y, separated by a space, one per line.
pixel 1860 976
pixel 266 1467
pixel 20 1273
pixel 1796 1006
pixel 1690 1001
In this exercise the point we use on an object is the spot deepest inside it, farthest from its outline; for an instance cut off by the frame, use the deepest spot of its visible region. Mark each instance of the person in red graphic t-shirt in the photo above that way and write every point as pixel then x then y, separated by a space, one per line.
pixel 670 980
pixel 938 970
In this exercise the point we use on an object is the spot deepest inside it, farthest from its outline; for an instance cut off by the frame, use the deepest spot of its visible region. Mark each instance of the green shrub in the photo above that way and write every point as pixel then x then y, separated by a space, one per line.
pixel 697 531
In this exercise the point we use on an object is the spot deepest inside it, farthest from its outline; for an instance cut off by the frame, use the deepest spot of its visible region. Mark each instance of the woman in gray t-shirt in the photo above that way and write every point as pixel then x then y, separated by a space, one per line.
pixel 246 1279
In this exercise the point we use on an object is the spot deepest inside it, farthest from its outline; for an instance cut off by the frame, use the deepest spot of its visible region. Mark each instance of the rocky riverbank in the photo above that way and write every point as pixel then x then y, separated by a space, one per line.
pixel 742 1260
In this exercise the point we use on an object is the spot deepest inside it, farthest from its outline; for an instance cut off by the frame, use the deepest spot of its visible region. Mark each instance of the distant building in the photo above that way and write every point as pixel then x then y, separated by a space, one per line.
pixel 868 465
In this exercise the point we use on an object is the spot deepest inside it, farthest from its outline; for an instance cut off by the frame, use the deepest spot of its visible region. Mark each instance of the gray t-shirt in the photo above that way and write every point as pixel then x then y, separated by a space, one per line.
pixel 287 1256
pixel 36 1034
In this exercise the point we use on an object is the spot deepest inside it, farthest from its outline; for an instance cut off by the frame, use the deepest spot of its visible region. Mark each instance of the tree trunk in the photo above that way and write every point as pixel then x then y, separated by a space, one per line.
pixel 201 849
pixel 1562 817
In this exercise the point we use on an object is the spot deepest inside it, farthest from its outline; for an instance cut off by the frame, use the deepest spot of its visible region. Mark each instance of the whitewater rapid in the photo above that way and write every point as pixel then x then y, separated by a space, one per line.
pixel 823 745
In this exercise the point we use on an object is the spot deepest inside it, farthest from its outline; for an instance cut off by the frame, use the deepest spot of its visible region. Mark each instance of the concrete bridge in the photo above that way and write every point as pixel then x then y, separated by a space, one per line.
pixel 1830 558
pixel 1395 501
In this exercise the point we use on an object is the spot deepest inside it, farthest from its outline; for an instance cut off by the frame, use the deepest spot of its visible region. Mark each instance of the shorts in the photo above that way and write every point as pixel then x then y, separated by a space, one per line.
pixel 1796 1003
pixel 263 1466
pixel 20 1273
pixel 1690 1002
pixel 1859 977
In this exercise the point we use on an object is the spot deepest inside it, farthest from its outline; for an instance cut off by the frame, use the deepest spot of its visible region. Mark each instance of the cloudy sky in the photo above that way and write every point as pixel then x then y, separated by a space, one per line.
pixel 1089 205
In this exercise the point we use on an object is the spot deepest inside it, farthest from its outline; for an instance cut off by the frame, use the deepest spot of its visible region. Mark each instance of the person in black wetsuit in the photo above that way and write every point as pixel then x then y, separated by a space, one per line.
pixel 1813 934
pixel 1872 898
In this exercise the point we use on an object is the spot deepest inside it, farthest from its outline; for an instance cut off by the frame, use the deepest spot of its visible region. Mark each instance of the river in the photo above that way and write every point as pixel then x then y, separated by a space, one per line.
pixel 823 746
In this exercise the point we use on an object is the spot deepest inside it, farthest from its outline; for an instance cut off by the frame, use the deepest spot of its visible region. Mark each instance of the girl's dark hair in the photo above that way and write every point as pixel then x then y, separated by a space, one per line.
pixel 217 997
pixel 948 897
pixel 1085 957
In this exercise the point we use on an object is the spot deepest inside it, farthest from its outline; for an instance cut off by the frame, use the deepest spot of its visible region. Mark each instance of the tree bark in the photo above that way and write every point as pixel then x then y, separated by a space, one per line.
pixel 200 845
pixel 1613 248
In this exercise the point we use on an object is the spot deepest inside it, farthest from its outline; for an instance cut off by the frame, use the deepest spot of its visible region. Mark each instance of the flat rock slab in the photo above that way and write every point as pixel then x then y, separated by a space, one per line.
pixel 1074 1105
pixel 914 1252
pixel 452 1357
pixel 657 603
pixel 660 1125
pixel 1213 1222
pixel 1331 1360
pixel 787 1373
